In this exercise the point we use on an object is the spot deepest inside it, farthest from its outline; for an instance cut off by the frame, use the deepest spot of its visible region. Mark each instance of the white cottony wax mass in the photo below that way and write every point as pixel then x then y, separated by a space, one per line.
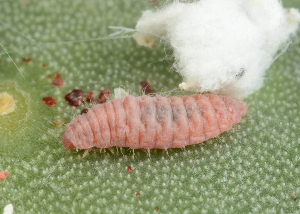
pixel 221 46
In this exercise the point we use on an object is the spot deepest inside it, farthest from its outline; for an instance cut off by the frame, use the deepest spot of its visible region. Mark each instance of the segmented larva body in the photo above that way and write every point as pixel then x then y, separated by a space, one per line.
pixel 154 122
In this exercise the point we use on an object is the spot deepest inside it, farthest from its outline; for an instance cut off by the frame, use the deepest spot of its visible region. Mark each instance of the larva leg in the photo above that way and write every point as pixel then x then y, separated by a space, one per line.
pixel 144 150
pixel 86 152
pixel 149 152
pixel 111 150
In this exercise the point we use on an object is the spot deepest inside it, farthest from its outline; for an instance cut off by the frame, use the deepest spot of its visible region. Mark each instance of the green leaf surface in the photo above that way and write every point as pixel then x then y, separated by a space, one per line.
pixel 253 168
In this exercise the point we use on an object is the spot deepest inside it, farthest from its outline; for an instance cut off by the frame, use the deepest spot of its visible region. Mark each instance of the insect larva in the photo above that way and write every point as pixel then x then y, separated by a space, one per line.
pixel 154 122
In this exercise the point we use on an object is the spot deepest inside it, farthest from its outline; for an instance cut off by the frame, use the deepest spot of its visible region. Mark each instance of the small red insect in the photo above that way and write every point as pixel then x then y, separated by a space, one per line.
pixel 129 169
pixel 75 97
pixel 137 194
pixel 154 122
pixel 58 81
pixel 3 175
pixel 27 59
pixel 49 101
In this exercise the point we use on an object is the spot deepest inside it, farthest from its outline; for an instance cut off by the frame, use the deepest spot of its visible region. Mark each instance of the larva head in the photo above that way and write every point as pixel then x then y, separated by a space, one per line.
pixel 67 142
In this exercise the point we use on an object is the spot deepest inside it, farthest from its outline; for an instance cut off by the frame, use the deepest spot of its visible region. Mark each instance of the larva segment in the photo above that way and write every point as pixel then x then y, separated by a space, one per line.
pixel 236 109
pixel 148 136
pixel 180 123
pixel 84 133
pixel 78 134
pixel 195 120
pixel 211 127
pixel 94 124
pixel 164 119
pixel 87 131
pixel 220 111
pixel 133 118
pixel 68 138
pixel 146 122
pixel 103 125
pixel 111 119
pixel 121 120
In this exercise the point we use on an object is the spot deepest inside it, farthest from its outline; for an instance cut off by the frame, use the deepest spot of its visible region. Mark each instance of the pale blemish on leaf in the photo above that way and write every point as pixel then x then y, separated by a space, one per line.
pixel 14 107
pixel 7 103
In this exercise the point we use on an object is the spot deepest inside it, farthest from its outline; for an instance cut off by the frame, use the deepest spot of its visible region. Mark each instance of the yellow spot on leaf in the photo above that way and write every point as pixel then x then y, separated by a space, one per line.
pixel 7 103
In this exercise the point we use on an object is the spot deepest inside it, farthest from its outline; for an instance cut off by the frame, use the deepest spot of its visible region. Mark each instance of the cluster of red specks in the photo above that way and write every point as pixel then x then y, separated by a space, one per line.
pixel 58 81
pixel 27 59
pixel 75 97
pixel 103 96
pixel 146 88
pixel 129 169
pixel 3 175
pixel 49 101
pixel 90 98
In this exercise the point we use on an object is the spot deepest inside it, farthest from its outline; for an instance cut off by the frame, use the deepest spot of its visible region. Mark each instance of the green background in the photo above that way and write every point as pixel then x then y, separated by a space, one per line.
pixel 254 167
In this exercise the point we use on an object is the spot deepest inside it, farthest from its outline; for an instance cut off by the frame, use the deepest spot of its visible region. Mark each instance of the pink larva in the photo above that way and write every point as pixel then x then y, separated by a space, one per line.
pixel 154 122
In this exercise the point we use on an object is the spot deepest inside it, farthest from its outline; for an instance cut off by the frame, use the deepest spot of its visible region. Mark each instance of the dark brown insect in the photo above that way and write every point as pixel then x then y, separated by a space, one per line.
pixel 154 122
pixel 84 111
pixel 103 96
pixel 75 97
pixel 146 88
pixel 49 101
